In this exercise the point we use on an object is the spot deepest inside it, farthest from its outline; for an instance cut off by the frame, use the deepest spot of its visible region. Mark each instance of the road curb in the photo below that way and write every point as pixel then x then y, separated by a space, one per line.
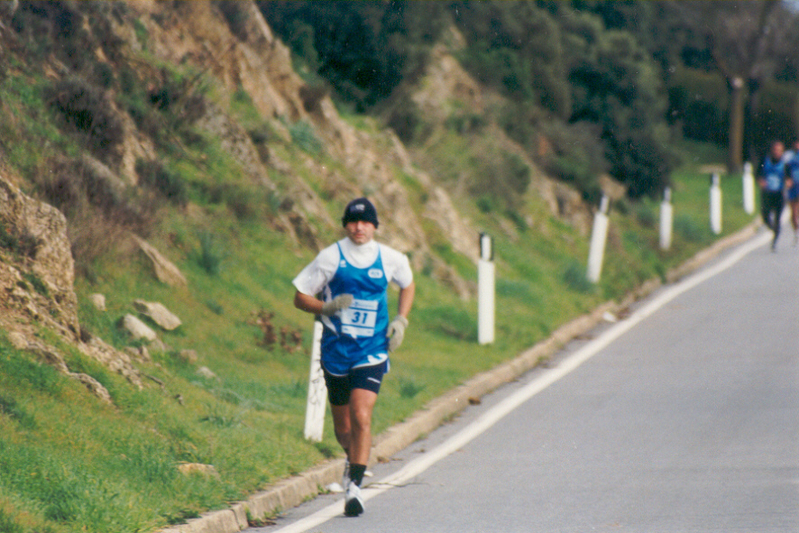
pixel 295 490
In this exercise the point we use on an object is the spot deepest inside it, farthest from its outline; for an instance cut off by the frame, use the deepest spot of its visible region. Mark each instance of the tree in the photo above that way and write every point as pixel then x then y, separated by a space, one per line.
pixel 618 87
pixel 748 41
pixel 364 49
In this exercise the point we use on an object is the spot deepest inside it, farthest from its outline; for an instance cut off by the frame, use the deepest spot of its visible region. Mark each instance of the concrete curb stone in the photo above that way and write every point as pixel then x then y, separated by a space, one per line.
pixel 293 491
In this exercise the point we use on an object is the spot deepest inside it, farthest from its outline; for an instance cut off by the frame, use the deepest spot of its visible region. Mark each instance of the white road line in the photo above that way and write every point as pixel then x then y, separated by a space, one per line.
pixel 506 406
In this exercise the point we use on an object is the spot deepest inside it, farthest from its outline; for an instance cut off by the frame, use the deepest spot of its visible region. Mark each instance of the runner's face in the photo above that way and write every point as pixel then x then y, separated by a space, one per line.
pixel 777 150
pixel 360 231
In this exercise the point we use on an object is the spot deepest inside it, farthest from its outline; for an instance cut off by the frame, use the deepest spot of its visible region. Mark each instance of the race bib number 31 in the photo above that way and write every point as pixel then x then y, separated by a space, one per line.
pixel 359 319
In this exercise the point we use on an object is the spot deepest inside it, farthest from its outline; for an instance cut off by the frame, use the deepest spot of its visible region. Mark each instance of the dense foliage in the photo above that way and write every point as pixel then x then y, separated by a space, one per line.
pixel 609 84
pixel 364 49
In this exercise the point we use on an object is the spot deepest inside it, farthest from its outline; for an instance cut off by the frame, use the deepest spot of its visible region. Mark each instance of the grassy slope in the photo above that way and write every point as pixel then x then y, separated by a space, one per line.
pixel 69 463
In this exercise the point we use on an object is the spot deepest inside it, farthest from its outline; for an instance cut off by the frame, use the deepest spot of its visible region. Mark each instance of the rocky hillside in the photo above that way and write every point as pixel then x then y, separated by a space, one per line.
pixel 191 62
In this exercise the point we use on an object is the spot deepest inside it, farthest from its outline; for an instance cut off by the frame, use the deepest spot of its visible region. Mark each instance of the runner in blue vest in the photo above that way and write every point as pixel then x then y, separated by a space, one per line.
pixel 772 184
pixel 351 278
pixel 793 189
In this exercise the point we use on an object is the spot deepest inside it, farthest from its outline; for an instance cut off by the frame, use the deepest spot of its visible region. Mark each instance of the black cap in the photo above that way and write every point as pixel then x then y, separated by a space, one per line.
pixel 359 209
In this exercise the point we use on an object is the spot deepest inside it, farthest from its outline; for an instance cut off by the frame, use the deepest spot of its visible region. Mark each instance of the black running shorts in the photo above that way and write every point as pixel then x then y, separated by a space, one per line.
pixel 362 377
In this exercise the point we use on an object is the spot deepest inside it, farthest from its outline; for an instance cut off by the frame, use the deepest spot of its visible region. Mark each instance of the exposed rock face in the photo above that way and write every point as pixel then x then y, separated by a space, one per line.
pixel 446 84
pixel 117 361
pixel 36 287
pixel 464 237
pixel 37 270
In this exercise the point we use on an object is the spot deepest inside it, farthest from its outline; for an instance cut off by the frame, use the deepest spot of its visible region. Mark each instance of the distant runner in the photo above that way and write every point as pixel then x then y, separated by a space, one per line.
pixel 352 276
pixel 771 178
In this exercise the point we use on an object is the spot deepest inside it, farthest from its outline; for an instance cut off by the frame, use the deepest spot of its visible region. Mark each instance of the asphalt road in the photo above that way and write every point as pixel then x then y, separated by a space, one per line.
pixel 683 417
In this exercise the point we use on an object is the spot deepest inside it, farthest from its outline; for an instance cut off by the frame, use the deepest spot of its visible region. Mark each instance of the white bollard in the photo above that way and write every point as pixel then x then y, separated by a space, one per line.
pixel 715 203
pixel 666 220
pixel 317 390
pixel 485 291
pixel 599 235
pixel 749 189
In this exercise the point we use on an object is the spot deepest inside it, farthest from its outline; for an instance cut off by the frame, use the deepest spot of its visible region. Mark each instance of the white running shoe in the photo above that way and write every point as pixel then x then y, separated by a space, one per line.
pixel 353 503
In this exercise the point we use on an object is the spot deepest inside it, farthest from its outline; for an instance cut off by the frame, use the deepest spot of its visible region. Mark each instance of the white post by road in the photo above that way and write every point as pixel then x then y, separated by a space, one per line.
pixel 715 203
pixel 749 189
pixel 485 291
pixel 317 390
pixel 666 220
pixel 599 235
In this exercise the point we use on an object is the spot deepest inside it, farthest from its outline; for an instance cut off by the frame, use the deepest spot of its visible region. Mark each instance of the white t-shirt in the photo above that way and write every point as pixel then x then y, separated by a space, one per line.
pixel 315 277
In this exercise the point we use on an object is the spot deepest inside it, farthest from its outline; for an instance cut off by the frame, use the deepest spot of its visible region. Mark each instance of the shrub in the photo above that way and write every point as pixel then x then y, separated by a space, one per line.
pixel 465 122
pixel 645 216
pixel 452 322
pixel 504 179
pixel 574 275
pixel 303 135
pixel 209 257
pixel 89 111
pixel 92 233
pixel 9 406
pixel 37 283
pixel 485 204
pixel 407 122
pixel 215 307
pixel 22 243
pixel 244 201
pixel 577 158
pixel 409 388
pixel 160 178
pixel 690 230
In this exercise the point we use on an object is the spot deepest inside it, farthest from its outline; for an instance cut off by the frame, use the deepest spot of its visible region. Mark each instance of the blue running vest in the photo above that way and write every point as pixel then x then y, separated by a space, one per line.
pixel 774 172
pixel 356 336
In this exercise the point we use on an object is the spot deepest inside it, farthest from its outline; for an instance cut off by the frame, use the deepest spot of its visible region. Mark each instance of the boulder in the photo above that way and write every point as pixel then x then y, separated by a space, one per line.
pixel 158 313
pixel 98 301
pixel 197 468
pixel 94 386
pixel 206 372
pixel 189 356
pixel 165 271
pixel 140 354
pixel 137 328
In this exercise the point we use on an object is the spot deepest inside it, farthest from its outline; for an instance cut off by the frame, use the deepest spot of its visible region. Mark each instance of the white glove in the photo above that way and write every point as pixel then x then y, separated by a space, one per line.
pixel 396 332
pixel 342 301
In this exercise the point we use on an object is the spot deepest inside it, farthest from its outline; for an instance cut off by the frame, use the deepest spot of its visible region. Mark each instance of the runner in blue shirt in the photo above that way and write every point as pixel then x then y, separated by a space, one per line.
pixel 793 189
pixel 771 178
pixel 351 277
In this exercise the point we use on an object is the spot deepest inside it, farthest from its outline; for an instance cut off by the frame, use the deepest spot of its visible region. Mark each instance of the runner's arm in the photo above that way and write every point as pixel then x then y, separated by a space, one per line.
pixel 308 303
pixel 406 299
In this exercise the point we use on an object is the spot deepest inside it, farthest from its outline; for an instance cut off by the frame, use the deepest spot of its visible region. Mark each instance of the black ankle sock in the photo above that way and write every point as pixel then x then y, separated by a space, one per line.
pixel 356 473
